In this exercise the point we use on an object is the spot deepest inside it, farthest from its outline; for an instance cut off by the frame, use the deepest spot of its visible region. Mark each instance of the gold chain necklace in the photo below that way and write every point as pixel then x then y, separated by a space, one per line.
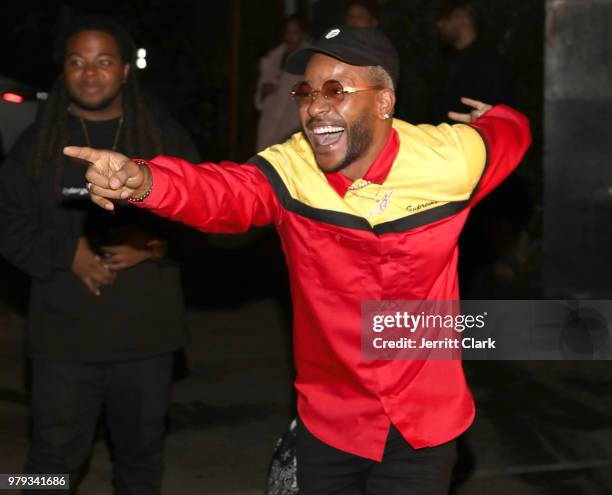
pixel 362 184
pixel 115 140
pixel 381 201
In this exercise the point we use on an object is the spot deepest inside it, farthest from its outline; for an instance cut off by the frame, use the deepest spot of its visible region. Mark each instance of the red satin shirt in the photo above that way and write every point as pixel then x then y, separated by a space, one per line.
pixel 391 235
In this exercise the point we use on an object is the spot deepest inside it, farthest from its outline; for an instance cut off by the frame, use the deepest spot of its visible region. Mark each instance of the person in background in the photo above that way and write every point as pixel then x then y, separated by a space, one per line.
pixel 362 13
pixel 278 119
pixel 491 242
pixel 91 348
pixel 472 67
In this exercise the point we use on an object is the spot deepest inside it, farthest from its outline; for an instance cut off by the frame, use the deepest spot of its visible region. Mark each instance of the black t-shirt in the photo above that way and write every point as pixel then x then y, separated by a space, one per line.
pixel 100 227
pixel 141 313
pixel 97 134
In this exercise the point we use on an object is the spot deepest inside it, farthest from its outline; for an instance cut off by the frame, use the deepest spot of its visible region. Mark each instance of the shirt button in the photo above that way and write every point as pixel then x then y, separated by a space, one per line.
pixel 337 237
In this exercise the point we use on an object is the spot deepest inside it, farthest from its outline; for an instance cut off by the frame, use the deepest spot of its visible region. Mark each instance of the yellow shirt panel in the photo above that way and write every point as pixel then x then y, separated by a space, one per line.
pixel 435 165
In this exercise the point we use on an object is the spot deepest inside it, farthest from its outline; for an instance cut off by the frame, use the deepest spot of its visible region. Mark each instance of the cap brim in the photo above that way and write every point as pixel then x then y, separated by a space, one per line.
pixel 296 62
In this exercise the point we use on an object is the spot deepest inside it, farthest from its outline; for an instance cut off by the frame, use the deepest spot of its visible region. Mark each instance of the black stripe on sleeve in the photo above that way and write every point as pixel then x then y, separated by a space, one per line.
pixel 486 166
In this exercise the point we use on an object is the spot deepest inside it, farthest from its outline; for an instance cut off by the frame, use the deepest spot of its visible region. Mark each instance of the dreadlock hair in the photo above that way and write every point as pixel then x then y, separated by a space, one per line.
pixel 140 134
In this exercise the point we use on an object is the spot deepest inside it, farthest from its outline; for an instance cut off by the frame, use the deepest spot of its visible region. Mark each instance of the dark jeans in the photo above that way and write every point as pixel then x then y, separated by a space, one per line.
pixel 322 469
pixel 66 401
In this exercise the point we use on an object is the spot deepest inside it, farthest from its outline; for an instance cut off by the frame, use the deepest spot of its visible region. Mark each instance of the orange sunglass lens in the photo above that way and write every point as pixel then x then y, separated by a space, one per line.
pixel 301 90
pixel 332 89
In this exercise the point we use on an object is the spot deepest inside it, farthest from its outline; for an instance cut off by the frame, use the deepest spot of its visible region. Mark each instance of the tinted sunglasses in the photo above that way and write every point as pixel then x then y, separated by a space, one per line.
pixel 333 92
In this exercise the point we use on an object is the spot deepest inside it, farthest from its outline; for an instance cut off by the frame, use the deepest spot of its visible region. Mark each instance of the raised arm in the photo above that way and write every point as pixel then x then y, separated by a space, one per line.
pixel 506 136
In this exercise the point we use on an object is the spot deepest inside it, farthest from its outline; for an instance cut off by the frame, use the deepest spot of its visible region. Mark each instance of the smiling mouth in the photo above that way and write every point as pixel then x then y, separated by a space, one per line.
pixel 327 135
pixel 91 89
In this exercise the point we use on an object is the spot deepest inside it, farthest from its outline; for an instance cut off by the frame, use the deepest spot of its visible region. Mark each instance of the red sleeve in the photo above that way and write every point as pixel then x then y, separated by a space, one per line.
pixel 226 198
pixel 507 136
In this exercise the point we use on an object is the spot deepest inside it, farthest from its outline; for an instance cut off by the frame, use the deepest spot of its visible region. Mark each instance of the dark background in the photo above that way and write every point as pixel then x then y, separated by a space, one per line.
pixel 189 52
pixel 203 63
pixel 553 418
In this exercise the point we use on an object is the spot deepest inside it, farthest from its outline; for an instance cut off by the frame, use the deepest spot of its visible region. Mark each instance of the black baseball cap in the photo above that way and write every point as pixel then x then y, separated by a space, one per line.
pixel 351 45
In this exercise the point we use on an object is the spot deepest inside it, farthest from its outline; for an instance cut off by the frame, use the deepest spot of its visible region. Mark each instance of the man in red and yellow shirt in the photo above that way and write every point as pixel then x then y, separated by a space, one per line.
pixel 367 208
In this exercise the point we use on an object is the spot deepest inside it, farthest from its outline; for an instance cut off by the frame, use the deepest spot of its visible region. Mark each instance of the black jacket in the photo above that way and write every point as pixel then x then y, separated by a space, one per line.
pixel 141 314
pixel 477 72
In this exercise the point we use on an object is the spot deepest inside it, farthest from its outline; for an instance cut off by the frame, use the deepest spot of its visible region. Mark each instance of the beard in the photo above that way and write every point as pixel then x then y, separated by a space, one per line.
pixel 94 106
pixel 359 140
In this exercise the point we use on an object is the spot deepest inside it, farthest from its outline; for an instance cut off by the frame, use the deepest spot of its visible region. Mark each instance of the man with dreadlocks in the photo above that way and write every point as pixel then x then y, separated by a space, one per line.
pixel 90 346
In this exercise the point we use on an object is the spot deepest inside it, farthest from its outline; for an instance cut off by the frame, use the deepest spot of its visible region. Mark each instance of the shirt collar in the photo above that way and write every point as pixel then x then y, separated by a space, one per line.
pixel 378 171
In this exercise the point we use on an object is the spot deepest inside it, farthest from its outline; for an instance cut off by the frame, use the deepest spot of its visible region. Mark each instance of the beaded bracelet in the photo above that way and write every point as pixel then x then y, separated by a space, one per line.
pixel 144 195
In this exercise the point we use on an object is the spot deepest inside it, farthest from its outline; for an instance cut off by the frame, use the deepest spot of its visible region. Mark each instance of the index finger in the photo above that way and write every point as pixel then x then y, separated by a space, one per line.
pixel 478 105
pixel 84 153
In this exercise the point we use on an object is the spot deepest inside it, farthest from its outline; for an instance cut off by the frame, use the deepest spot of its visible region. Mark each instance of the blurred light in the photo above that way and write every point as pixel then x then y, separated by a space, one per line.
pixel 12 97
pixel 141 61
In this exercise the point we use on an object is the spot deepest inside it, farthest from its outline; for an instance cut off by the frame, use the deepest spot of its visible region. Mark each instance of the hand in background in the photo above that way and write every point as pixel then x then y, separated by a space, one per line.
pixel 124 256
pixel 479 107
pixel 134 247
pixel 88 266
